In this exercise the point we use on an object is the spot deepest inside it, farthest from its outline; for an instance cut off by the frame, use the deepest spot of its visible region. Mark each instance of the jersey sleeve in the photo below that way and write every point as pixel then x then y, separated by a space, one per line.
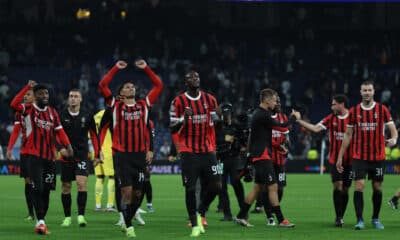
pixel 387 118
pixel 352 117
pixel 176 111
pixel 326 122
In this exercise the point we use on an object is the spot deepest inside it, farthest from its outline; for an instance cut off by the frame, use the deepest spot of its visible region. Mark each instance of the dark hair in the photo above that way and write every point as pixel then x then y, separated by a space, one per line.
pixel 38 87
pixel 122 85
pixel 267 93
pixel 341 98
pixel 368 82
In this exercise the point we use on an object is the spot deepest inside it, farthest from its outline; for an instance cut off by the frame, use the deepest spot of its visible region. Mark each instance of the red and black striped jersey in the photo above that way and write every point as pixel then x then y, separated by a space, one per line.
pixel 42 127
pixel 40 130
pixel 369 125
pixel 129 125
pixel 278 138
pixel 337 126
pixel 129 121
pixel 197 135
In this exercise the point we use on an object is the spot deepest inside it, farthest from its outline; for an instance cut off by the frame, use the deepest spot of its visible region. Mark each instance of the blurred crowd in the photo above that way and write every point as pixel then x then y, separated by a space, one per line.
pixel 305 64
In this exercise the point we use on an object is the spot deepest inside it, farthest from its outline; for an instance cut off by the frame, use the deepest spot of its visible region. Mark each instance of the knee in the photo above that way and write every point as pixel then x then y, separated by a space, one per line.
pixel 66 187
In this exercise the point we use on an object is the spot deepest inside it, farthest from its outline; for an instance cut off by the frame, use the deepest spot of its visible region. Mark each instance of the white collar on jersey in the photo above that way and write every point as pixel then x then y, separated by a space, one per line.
pixel 193 98
pixel 368 108
pixel 73 114
pixel 344 116
pixel 274 116
pixel 40 109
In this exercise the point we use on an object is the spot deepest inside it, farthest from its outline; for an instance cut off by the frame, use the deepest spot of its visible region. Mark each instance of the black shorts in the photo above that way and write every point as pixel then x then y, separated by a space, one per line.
pixel 280 175
pixel 74 168
pixel 24 165
pixel 203 165
pixel 264 172
pixel 346 176
pixel 374 169
pixel 42 174
pixel 130 169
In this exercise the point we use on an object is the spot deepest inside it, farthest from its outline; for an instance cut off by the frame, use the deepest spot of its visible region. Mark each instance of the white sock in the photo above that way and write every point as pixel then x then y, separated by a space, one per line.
pixel 98 205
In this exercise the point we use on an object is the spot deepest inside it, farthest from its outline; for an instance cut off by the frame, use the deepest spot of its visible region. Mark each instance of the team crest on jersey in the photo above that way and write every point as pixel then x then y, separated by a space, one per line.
pixel 334 123
pixel 205 105
pixel 375 115
pixel 83 121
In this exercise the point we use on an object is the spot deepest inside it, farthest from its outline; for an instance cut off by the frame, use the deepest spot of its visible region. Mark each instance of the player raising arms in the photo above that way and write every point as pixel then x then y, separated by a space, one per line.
pixel 42 128
pixel 130 119
pixel 367 121
pixel 336 123
pixel 19 127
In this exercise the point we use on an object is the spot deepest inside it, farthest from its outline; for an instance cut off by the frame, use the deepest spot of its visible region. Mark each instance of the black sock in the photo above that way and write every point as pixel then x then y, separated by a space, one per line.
pixel 118 197
pixel 208 198
pixel 337 202
pixel 395 199
pixel 149 191
pixel 46 201
pixel 377 203
pixel 128 214
pixel 66 202
pixel 190 198
pixel 267 205
pixel 260 200
pixel 239 192
pixel 38 204
pixel 280 194
pixel 358 204
pixel 345 200
pixel 278 213
pixel 81 199
pixel 244 211
pixel 28 198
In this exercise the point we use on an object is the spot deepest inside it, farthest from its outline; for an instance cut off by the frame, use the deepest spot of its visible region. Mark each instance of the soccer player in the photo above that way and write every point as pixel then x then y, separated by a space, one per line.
pixel 336 123
pixel 279 150
pixel 77 122
pixel 130 118
pixel 106 169
pixel 367 121
pixel 19 127
pixel 42 129
pixel 228 150
pixel 260 144
pixel 192 116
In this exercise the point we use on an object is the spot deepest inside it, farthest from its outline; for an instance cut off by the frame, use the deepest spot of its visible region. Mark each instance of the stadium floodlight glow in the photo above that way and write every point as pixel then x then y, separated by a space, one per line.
pixel 82 14
pixel 123 14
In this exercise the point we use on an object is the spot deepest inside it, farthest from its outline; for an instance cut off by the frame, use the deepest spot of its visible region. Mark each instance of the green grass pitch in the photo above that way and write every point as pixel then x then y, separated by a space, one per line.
pixel 307 202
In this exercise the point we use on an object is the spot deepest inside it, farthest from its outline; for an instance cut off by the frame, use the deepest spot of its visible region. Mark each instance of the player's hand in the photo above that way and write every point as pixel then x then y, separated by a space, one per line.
pixel 187 113
pixel 339 165
pixel 149 157
pixel 8 155
pixel 171 158
pixel 97 161
pixel 391 142
pixel 141 64
pixel 296 114
pixel 121 64
pixel 32 83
